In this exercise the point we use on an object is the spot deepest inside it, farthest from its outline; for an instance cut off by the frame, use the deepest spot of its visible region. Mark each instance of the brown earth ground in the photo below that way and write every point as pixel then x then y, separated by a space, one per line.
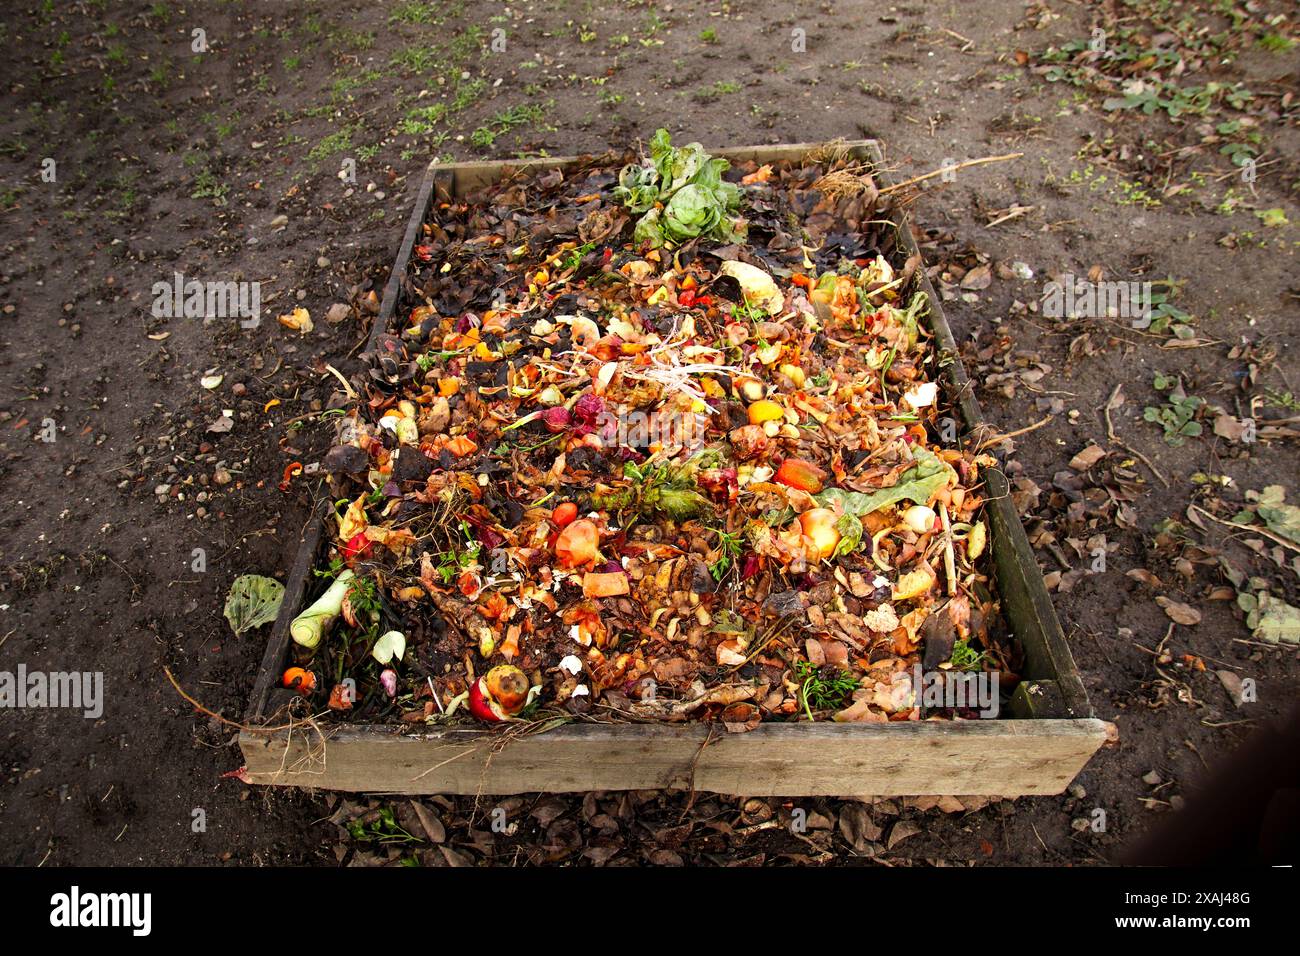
pixel 222 165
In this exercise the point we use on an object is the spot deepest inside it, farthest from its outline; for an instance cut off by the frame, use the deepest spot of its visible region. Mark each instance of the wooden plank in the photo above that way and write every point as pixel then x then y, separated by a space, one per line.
pixel 295 596
pixel 433 176
pixel 995 757
pixel 1036 698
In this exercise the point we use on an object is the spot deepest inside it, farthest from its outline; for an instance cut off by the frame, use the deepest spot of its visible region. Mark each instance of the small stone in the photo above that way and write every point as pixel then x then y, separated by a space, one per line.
pixel 1076 790
pixel 1079 824
pixel 280 221
pixel 322 262
pixel 1152 779
pixel 1177 803
pixel 161 490
pixel 238 389
pixel 221 476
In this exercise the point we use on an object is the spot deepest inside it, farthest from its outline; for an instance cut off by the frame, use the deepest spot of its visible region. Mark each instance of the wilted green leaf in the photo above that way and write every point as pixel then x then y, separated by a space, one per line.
pixel 1275 621
pixel 681 194
pixel 253 600
pixel 1271 218
pixel 1282 519
pixel 918 483
pixel 850 528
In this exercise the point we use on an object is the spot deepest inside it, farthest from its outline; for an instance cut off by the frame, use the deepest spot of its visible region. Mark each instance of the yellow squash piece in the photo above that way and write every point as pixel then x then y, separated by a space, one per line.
pixel 914 583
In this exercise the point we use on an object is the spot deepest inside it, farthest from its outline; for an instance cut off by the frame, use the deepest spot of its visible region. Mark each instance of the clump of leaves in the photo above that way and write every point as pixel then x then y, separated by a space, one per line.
pixel 1272 218
pixel 730 544
pixel 1243 140
pixel 667 489
pixel 1177 416
pixel 1271 507
pixel 1276 42
pixel 1280 399
pixel 382 829
pixel 1269 618
pixel 823 688
pixel 364 595
pixel 964 657
pixel 680 194
pixel 918 483
pixel 453 561
pixel 431 358
pixel 1163 317
pixel 573 258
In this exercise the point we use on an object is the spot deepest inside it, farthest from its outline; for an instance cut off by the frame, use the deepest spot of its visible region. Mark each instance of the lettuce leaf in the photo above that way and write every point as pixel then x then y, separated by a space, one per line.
pixel 680 195
pixel 253 601
pixel 918 483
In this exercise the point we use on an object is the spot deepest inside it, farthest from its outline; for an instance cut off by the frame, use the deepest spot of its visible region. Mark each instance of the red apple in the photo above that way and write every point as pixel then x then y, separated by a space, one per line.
pixel 499 694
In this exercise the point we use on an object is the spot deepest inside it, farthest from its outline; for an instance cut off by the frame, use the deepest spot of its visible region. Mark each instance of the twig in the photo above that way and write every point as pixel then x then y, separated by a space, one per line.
pixel 998 439
pixel 1237 172
pixel 969 43
pixel 215 716
pixel 939 172
pixel 1247 528
pixel 1014 212
pixel 949 561
pixel 690 771
pixel 347 386
pixel 444 763
pixel 1110 434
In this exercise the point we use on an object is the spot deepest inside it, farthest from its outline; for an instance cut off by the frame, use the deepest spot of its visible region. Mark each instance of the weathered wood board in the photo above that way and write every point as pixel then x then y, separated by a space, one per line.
pixel 993 757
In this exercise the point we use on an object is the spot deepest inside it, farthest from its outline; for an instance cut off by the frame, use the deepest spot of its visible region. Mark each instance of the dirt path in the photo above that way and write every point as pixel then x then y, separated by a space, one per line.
pixel 222 164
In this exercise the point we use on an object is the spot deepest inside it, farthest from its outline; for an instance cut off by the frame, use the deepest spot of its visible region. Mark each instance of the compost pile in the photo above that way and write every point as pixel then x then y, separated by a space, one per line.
pixel 659 441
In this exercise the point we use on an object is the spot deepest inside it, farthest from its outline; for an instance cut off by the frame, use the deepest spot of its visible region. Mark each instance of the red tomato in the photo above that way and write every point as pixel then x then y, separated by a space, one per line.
pixel 564 514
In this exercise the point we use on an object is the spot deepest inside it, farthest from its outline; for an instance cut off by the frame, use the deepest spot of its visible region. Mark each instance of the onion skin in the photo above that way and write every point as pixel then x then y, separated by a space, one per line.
pixel 556 419
pixel 818 524
pixel 919 518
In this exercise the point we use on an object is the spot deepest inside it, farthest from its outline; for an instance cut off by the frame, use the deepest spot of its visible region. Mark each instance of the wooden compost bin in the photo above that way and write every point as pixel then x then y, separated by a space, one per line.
pixel 1050 734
